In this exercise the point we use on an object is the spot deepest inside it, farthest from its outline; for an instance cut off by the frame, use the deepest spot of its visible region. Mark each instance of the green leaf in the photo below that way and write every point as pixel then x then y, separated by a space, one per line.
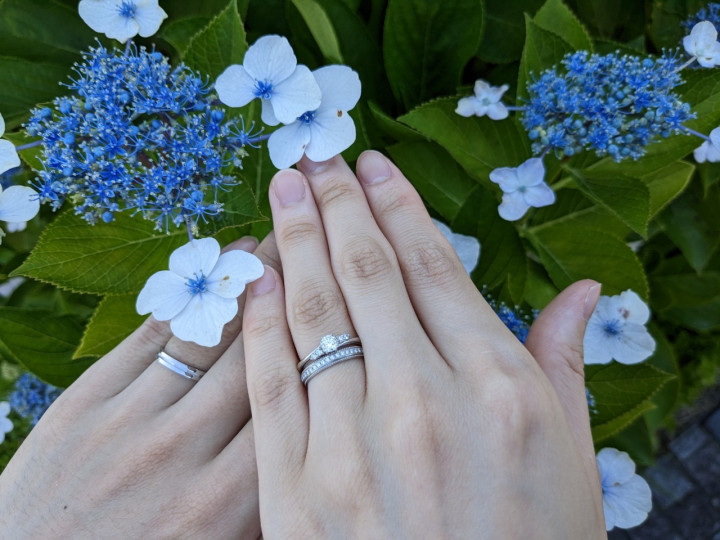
pixel 617 19
pixel 321 28
pixel 179 32
pixel 621 393
pixel 571 252
pixel 555 17
pixel 667 183
pixel 427 44
pixel 391 127
pixel 240 207
pixel 437 177
pixel 43 342
pixel 219 44
pixel 504 31
pixel 634 439
pixel 689 299
pixel 667 398
pixel 114 320
pixel 539 291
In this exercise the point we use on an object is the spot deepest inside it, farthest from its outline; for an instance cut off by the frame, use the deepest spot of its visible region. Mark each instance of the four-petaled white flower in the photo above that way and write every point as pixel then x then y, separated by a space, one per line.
pixel 523 187
pixel 18 203
pixel 616 329
pixel 325 131
pixel 627 498
pixel 709 150
pixel 122 19
pixel 198 295
pixel 270 72
pixel 9 158
pixel 6 424
pixel 466 247
pixel 486 101
pixel 702 44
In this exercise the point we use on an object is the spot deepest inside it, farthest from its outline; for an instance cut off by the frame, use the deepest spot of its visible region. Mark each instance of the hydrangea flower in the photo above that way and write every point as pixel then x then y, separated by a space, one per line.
pixel 485 101
pixel 17 204
pixel 710 13
pixel 198 295
pixel 702 44
pixel 122 19
pixel 522 187
pixel 270 72
pixel 616 330
pixel 6 424
pixel 615 105
pixel 325 131
pixel 466 247
pixel 137 135
pixel 31 397
pixel 709 150
pixel 627 498
pixel 9 158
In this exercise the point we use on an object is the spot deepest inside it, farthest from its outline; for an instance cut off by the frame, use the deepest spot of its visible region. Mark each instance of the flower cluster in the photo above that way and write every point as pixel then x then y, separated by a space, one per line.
pixel 615 105
pixel 710 13
pixel 137 134
pixel 516 320
pixel 31 397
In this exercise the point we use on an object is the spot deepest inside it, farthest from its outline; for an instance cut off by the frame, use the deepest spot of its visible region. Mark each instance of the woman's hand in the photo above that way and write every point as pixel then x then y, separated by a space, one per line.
pixel 133 450
pixel 449 427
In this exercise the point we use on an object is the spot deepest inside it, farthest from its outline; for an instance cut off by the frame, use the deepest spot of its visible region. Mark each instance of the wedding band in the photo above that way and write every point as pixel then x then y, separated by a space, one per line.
pixel 328 344
pixel 329 360
pixel 176 366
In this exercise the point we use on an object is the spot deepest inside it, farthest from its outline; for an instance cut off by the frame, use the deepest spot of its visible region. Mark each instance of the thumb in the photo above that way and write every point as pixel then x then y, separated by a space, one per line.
pixel 556 341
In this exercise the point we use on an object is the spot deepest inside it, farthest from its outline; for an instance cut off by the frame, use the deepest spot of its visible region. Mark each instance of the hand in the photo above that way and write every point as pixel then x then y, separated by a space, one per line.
pixel 449 427
pixel 133 450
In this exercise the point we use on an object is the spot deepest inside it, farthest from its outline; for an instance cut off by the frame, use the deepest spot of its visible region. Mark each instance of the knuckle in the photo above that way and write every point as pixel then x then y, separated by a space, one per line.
pixel 365 260
pixel 296 232
pixel 429 264
pixel 270 388
pixel 335 191
pixel 262 325
pixel 396 201
pixel 315 304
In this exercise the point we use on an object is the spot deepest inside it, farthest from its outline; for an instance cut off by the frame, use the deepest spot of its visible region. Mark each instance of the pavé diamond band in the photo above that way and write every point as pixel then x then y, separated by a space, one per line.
pixel 329 360
pixel 328 344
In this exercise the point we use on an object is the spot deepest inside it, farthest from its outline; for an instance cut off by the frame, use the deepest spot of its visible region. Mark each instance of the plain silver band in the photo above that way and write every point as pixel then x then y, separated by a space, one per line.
pixel 344 341
pixel 330 360
pixel 176 366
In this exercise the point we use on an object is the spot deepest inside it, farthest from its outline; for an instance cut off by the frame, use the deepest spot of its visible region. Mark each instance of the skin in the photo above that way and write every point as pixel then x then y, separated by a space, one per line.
pixel 448 428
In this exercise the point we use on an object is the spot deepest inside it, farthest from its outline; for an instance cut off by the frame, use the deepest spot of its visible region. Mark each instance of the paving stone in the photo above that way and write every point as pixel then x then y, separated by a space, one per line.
pixel 712 424
pixel 668 480
pixel 618 534
pixel 699 453
pixel 688 442
pixel 694 517
pixel 655 527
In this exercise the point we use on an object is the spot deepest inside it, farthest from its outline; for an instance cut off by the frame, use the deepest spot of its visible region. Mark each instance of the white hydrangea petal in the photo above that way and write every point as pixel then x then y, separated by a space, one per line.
pixel 513 206
pixel 715 138
pixel 18 203
pixel 466 106
pixel 506 178
pixel 595 349
pixel 481 88
pixel 149 16
pixel 497 111
pixel 635 310
pixel 267 114
pixel 2 125
pixel 16 226
pixel 233 271
pixel 702 35
pixel 9 158
pixel 235 87
pixel 637 344
pixel 4 408
pixel 701 152
pixel 495 93
pixel 531 172
pixel 711 56
pixel 296 95
pixel 632 502
pixel 466 247
pixel 615 466
pixel 100 15
pixel 270 59
pixel 203 319
pixel 340 87
pixel 164 295
pixel 8 287
pixel 195 257
pixel 287 144
pixel 540 195
pixel 331 132
pixel 6 426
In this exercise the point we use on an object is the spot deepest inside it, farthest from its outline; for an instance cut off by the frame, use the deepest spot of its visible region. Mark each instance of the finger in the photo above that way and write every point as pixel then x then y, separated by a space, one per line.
pixel 446 301
pixel 314 304
pixel 277 397
pixel 556 341
pixel 368 274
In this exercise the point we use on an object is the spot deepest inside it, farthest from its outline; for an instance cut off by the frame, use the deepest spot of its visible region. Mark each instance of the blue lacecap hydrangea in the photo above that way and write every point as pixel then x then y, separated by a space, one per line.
pixel 612 104
pixel 31 397
pixel 711 13
pixel 137 134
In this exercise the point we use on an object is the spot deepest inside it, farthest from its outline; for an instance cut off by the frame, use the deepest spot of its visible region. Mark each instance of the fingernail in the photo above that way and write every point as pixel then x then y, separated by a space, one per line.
pixel 289 187
pixel 313 167
pixel 265 284
pixel 591 299
pixel 373 168
pixel 247 243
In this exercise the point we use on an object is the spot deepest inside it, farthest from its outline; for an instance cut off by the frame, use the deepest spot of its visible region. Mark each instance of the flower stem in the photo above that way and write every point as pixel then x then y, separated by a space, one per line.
pixel 188 223
pixel 258 139
pixel 28 145
pixel 696 133
pixel 515 108
pixel 686 64
pixel 128 44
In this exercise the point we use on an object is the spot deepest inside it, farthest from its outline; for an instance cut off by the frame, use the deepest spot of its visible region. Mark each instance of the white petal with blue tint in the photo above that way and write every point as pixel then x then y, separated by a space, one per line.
pixel 195 258
pixel 295 95
pixel 203 319
pixel 513 206
pixel 233 271
pixel 340 87
pixel 235 87
pixel 332 131
pixel 18 203
pixel 287 144
pixel 539 195
pixel 9 158
pixel 270 58
pixel 165 294
pixel 627 499
pixel 466 247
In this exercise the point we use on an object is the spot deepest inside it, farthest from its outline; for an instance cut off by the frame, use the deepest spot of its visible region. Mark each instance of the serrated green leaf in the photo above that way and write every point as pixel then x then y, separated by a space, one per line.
pixel 426 45
pixel 689 299
pixel 179 32
pixel 240 207
pixel 634 439
pixel 114 320
pixel 667 183
pixel 321 28
pixel 43 342
pixel 615 19
pixel 557 18
pixel 391 127
pixel 504 32
pixel 667 398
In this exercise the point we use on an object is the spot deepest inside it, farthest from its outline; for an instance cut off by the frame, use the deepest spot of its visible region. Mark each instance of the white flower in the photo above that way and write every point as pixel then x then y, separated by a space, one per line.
pixel 9 286
pixel 122 19
pixel 702 44
pixel 467 247
pixel 485 101
pixel 9 158
pixel 616 329
pixel 6 424
pixel 325 131
pixel 522 187
pixel 270 72
pixel 16 226
pixel 18 203
pixel 198 295
pixel 627 498
pixel 709 150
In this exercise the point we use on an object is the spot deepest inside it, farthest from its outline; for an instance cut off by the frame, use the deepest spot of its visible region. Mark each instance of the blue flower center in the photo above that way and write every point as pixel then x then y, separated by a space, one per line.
pixel 307 117
pixel 127 9
pixel 612 327
pixel 263 89
pixel 197 285
pixel 522 189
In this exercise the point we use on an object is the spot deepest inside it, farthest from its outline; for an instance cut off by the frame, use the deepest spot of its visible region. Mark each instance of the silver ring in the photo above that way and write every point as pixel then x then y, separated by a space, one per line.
pixel 328 344
pixel 330 360
pixel 176 366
